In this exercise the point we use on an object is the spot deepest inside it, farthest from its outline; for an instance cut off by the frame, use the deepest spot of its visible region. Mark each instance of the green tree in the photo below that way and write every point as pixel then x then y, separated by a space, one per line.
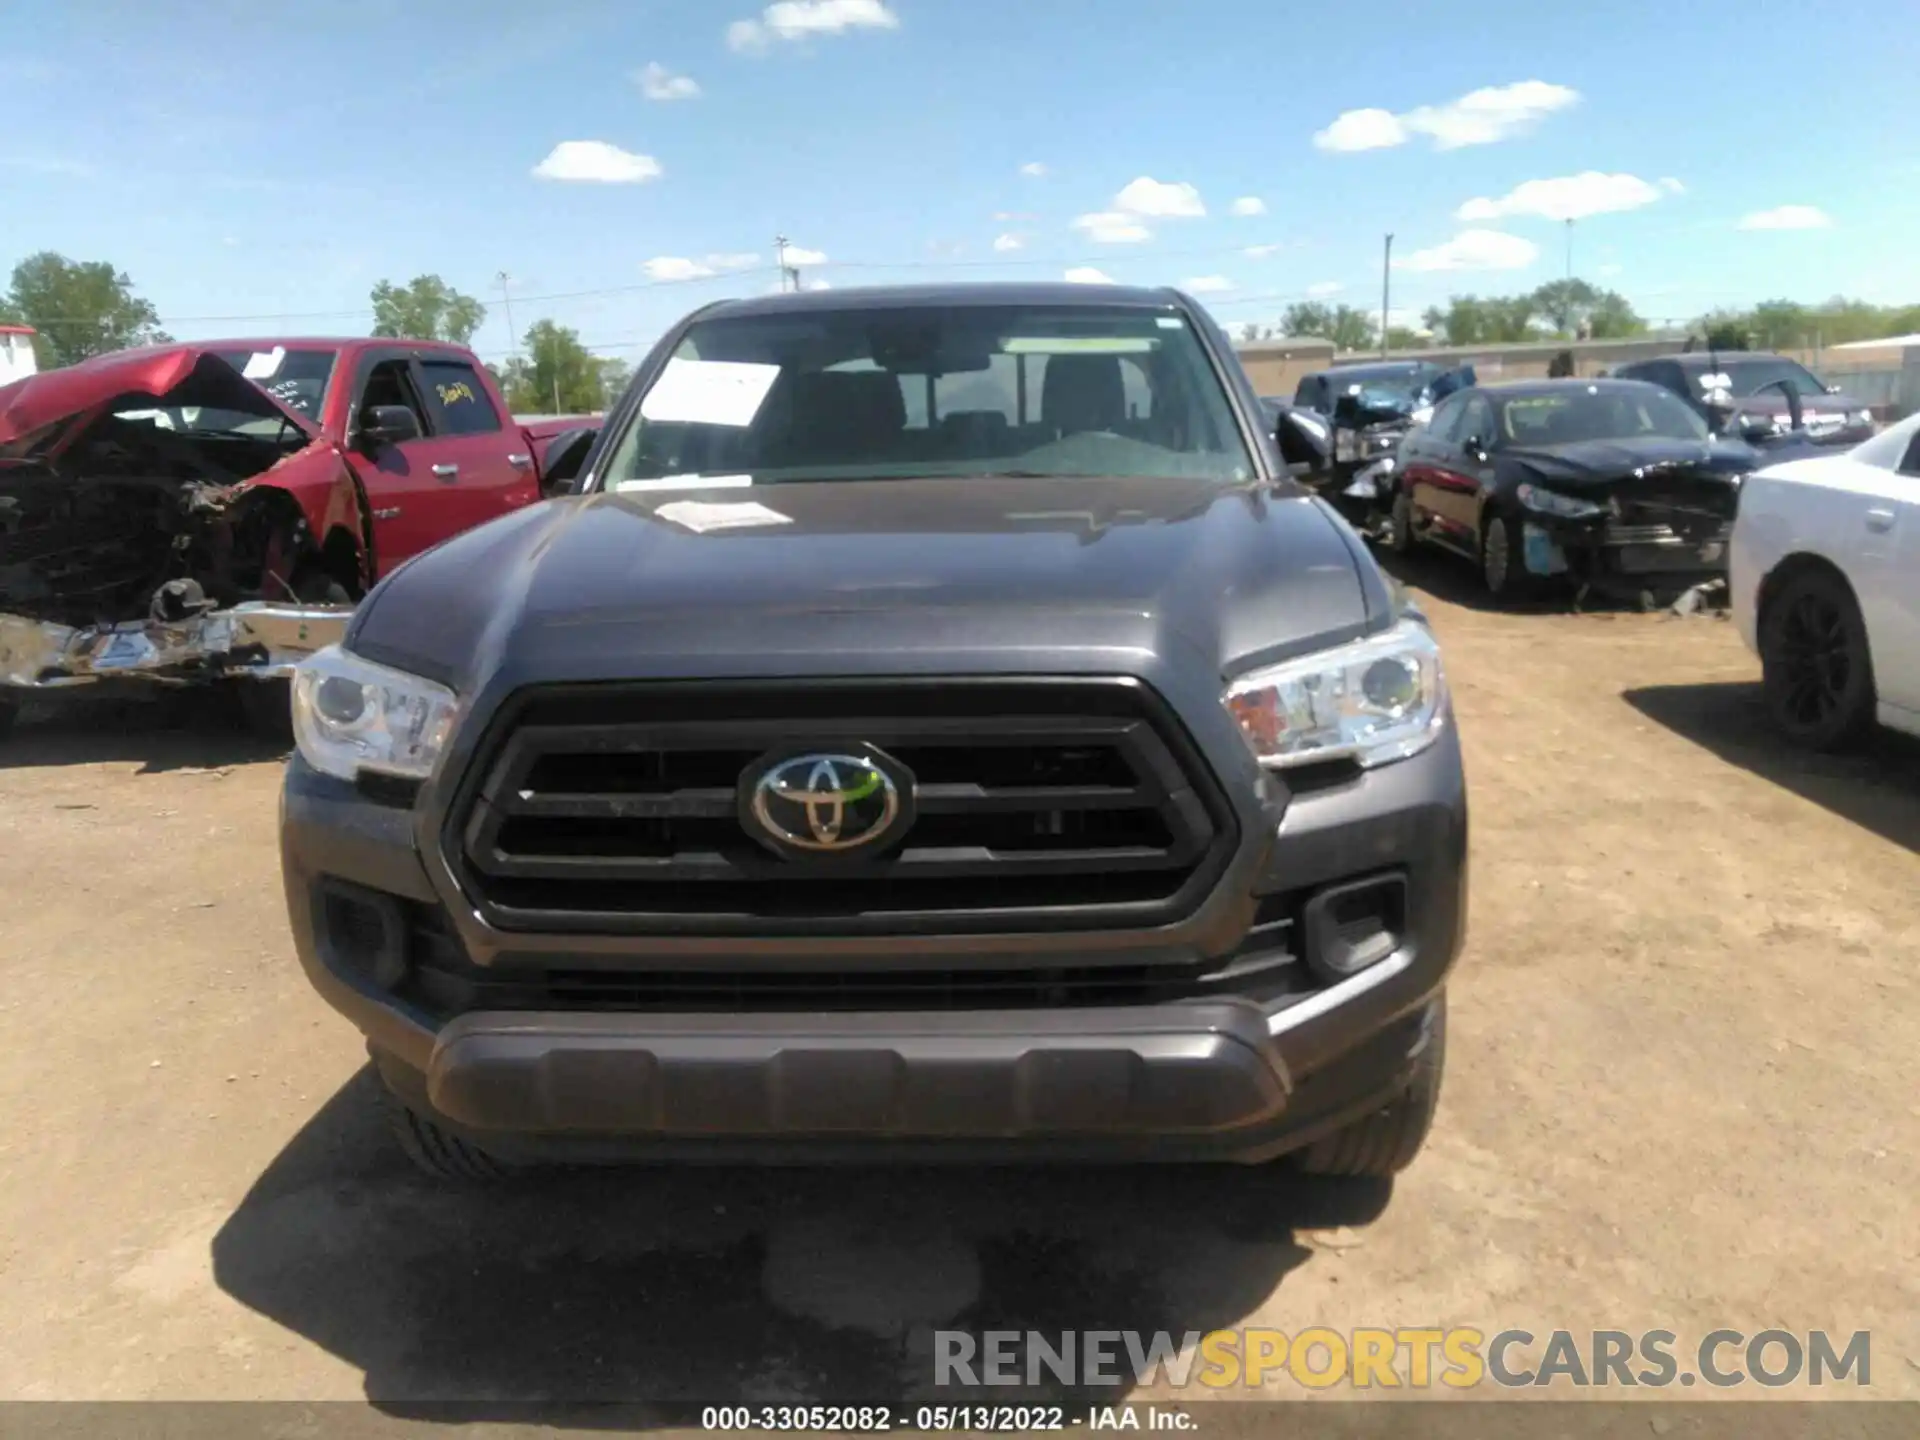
pixel 1612 318
pixel 1347 327
pixel 1399 337
pixel 426 308
pixel 1477 320
pixel 1564 304
pixel 1783 322
pixel 77 308
pixel 1726 330
pixel 557 374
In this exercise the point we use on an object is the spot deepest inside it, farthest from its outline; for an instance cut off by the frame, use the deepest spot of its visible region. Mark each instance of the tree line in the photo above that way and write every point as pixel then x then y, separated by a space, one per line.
pixel 1574 309
pixel 84 308
pixel 79 309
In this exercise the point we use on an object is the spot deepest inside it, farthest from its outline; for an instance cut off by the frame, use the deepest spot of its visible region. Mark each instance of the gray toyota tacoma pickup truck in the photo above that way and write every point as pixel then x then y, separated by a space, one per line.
pixel 936 727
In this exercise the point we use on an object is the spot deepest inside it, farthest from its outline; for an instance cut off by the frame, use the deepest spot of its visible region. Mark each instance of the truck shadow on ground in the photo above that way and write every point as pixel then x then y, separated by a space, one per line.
pixel 161 729
pixel 1876 787
pixel 743 1285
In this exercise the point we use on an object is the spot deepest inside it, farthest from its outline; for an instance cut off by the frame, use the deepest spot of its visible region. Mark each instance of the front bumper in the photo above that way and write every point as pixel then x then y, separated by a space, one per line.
pixel 1219 1078
pixel 1603 554
pixel 256 639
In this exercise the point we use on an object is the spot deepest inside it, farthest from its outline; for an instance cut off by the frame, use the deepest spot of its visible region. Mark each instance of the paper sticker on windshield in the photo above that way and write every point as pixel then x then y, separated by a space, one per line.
pixel 709 392
pixel 263 364
pixel 686 482
pixel 700 516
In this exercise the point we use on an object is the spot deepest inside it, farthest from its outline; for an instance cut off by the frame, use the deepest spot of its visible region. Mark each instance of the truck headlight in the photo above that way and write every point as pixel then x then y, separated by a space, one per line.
pixel 1549 502
pixel 351 715
pixel 1346 445
pixel 1859 417
pixel 1376 700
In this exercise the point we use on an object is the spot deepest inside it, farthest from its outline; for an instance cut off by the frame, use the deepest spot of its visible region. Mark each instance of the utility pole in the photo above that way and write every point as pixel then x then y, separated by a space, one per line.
pixel 513 341
pixel 1386 291
pixel 1569 248
pixel 789 274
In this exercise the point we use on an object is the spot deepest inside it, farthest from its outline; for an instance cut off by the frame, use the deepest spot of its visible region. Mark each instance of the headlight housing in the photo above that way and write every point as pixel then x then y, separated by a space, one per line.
pixel 350 715
pixel 1374 701
pixel 1860 417
pixel 1551 502
pixel 1346 444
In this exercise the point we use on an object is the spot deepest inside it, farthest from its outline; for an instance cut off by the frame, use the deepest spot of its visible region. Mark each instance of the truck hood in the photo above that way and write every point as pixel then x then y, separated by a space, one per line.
pixel 1605 464
pixel 900 574
pixel 41 414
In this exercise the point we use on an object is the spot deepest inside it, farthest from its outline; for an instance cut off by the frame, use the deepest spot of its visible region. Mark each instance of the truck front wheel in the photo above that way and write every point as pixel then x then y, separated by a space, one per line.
pixel 1382 1144
pixel 438 1152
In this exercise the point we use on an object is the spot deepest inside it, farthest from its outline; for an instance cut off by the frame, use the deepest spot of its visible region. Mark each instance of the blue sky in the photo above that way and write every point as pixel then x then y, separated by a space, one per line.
pixel 256 167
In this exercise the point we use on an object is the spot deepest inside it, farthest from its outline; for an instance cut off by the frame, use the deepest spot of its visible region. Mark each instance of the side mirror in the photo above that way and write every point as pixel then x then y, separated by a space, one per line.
pixel 1754 429
pixel 388 425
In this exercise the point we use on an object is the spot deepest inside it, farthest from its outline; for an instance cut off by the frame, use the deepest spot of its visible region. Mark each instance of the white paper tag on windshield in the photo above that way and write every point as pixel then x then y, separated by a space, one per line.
pixel 709 392
pixel 701 516
pixel 264 364
pixel 686 482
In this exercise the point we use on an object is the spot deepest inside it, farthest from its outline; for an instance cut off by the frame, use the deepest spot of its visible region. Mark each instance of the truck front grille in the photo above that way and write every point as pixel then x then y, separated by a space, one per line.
pixel 616 809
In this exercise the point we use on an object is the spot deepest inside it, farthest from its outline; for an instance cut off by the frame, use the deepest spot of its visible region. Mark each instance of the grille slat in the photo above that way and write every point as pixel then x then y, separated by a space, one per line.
pixel 616 808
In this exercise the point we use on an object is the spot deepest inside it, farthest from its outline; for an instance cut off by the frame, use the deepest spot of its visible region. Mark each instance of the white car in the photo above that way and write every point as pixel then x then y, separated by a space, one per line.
pixel 1824 576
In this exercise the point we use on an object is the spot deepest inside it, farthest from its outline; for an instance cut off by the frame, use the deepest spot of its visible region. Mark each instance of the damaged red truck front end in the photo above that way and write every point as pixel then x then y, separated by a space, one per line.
pixel 164 518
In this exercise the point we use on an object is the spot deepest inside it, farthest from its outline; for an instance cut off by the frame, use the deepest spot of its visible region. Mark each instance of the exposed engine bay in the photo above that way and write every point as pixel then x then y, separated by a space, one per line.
pixel 170 543
pixel 138 522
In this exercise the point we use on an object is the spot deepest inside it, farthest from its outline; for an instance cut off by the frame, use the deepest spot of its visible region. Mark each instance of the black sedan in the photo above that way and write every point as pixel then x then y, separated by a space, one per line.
pixel 1770 401
pixel 1614 484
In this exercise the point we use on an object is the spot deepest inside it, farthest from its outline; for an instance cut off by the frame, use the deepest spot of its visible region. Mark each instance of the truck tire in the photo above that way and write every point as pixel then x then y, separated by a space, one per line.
pixel 1382 1144
pixel 1815 668
pixel 438 1152
pixel 1400 522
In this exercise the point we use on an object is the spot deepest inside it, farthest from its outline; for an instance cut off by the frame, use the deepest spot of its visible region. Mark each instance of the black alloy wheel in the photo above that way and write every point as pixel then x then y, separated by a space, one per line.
pixel 1815 666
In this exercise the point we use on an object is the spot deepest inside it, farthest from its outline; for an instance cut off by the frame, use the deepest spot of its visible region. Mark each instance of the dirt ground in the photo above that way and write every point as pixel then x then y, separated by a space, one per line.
pixel 1681 1093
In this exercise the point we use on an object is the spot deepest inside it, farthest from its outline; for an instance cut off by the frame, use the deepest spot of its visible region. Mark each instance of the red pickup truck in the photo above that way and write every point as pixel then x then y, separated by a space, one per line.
pixel 210 510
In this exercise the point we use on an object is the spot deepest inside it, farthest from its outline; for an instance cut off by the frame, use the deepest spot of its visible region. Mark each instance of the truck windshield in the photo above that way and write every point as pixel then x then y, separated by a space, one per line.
pixel 940 391
pixel 1564 419
pixel 1750 377
pixel 297 378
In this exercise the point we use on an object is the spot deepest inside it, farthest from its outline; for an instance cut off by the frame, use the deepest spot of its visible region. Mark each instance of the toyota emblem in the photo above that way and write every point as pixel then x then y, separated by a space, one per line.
pixel 827 803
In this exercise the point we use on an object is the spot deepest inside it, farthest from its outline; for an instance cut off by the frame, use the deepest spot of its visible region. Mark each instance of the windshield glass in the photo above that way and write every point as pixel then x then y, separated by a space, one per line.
pixel 1595 414
pixel 1749 377
pixel 946 391
pixel 297 378
pixel 1397 389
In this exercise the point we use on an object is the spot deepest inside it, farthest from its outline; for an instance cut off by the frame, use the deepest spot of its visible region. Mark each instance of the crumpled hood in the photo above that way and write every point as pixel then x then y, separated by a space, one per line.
pixel 46 411
pixel 930 576
pixel 1597 464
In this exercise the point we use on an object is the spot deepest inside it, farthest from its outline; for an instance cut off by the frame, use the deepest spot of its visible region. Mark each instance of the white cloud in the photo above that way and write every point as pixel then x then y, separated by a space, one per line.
pixel 1566 197
pixel 1206 284
pixel 678 267
pixel 797 19
pixel 1362 130
pixel 817 285
pixel 1033 169
pixel 596 160
pixel 1110 227
pixel 1260 252
pixel 800 255
pixel 1787 217
pixel 1473 250
pixel 1087 275
pixel 1326 287
pixel 1008 242
pixel 1165 200
pixel 1607 272
pixel 1249 205
pixel 1672 186
pixel 659 83
pixel 1481 117
pixel 675 267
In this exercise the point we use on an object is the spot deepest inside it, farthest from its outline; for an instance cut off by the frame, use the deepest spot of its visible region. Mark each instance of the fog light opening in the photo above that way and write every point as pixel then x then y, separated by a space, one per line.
pixel 1348 928
pixel 362 932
